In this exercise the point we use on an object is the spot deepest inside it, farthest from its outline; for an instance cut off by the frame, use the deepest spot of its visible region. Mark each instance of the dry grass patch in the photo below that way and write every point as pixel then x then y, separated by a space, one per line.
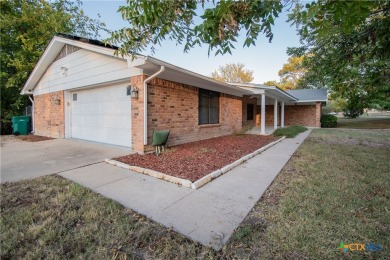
pixel 33 138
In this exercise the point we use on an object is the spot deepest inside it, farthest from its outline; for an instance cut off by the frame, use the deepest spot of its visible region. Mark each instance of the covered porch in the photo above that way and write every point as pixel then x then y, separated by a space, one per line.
pixel 256 130
pixel 265 108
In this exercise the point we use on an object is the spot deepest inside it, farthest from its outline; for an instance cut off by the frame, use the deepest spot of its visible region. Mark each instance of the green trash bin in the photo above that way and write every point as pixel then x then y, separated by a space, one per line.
pixel 21 125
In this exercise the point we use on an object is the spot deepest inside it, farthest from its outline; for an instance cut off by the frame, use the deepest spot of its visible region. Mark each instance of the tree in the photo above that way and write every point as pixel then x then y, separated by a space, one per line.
pixel 233 73
pixel 26 29
pixel 348 45
pixel 218 25
pixel 271 83
pixel 290 74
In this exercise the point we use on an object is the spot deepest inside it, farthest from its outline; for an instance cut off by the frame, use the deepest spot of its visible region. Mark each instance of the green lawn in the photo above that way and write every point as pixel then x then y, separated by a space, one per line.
pixel 364 122
pixel 334 189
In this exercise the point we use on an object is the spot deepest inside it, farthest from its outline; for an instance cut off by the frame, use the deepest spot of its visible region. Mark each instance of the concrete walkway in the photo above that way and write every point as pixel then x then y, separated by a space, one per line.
pixel 208 215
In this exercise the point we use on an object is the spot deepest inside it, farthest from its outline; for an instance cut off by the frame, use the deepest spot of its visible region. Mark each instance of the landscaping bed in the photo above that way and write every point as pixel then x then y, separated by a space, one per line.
pixel 33 138
pixel 195 160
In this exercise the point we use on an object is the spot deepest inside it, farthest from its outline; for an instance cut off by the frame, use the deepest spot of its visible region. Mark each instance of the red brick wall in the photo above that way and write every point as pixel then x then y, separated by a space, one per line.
pixel 49 116
pixel 137 114
pixel 318 114
pixel 245 101
pixel 174 106
pixel 269 115
pixel 307 115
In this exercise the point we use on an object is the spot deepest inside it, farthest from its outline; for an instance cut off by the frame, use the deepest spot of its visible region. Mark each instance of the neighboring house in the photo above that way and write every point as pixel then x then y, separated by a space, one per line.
pixel 82 90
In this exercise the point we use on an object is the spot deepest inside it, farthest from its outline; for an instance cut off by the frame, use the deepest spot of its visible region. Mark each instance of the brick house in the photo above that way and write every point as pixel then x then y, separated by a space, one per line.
pixel 81 90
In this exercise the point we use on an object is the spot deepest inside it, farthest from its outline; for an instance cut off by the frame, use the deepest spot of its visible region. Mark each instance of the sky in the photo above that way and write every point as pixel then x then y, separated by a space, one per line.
pixel 265 59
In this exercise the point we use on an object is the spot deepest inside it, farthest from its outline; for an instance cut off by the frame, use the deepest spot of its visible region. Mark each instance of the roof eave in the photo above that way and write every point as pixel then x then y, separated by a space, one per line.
pixel 194 74
pixel 314 100
pixel 249 85
pixel 45 61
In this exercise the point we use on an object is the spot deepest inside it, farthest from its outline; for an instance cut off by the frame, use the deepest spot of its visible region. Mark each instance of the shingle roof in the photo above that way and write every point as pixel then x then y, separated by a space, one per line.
pixel 309 94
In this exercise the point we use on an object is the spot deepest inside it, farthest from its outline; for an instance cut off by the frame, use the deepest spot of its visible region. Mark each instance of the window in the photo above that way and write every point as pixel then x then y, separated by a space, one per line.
pixel 208 107
pixel 249 111
pixel 75 97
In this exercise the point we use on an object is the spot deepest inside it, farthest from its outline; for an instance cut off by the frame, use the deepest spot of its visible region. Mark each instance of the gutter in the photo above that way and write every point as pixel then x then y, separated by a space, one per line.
pixel 162 68
pixel 199 76
pixel 303 101
pixel 32 115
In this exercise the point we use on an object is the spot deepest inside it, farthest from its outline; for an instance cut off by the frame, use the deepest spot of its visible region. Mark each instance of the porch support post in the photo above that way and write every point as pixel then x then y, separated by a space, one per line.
pixel 282 115
pixel 262 124
pixel 276 114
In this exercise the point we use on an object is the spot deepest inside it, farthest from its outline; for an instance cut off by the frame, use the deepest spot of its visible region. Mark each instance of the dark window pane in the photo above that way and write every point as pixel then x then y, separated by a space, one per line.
pixel 203 108
pixel 249 112
pixel 208 107
pixel 214 109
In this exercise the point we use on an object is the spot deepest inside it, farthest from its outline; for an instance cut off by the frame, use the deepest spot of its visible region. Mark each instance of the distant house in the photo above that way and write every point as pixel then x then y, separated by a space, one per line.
pixel 82 90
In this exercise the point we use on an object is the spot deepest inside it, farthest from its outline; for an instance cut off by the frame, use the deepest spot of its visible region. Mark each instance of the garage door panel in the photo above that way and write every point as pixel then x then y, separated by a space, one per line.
pixel 102 115
pixel 104 135
pixel 102 120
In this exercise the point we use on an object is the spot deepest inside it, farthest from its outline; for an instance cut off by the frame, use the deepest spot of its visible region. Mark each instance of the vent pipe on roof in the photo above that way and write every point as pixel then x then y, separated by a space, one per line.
pixel 146 103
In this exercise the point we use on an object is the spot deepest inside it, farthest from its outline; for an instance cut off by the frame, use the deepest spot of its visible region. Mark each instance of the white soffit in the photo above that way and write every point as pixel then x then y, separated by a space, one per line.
pixel 180 75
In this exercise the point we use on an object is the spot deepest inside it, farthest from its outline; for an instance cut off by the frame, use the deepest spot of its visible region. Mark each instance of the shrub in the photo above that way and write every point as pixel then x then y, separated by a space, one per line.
pixel 290 131
pixel 328 121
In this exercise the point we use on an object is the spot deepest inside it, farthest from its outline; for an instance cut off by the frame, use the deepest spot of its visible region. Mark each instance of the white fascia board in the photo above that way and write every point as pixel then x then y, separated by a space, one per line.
pixel 307 101
pixel 194 74
pixel 254 90
pixel 40 67
pixel 51 52
pixel 265 87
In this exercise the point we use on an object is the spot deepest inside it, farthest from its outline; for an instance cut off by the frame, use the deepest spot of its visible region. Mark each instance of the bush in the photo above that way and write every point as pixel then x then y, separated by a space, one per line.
pixel 6 127
pixel 290 131
pixel 328 121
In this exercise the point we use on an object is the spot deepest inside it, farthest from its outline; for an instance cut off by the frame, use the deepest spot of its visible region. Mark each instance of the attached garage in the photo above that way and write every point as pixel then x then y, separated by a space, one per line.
pixel 101 115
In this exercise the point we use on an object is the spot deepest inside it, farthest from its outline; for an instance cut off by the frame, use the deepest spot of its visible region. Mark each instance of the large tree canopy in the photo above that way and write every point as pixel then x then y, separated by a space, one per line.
pixel 290 74
pixel 217 26
pixel 348 46
pixel 26 29
pixel 233 72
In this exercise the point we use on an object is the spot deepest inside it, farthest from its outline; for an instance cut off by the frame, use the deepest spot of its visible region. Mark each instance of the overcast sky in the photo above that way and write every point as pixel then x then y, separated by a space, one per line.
pixel 265 59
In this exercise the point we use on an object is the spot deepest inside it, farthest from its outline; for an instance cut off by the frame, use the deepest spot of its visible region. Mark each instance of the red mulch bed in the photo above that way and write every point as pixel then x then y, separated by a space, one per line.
pixel 194 160
pixel 33 138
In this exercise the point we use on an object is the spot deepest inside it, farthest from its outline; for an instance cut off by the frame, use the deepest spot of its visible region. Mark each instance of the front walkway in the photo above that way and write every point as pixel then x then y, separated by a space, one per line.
pixel 208 215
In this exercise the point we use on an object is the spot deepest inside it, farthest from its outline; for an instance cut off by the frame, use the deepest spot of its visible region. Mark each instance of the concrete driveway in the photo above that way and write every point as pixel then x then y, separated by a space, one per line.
pixel 24 160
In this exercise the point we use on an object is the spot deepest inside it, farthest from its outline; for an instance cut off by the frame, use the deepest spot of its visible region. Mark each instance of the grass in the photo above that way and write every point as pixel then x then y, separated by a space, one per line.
pixel 54 218
pixel 289 132
pixel 364 122
pixel 331 191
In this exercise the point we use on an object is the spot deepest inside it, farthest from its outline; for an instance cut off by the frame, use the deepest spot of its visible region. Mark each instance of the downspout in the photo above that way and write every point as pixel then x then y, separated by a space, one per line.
pixel 146 103
pixel 32 115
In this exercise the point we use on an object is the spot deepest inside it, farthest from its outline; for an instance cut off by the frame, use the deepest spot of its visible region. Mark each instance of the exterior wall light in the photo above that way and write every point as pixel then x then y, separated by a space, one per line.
pixel 57 101
pixel 134 92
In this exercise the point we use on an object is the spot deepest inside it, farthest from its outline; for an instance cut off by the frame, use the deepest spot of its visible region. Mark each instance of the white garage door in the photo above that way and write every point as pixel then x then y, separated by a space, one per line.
pixel 102 115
